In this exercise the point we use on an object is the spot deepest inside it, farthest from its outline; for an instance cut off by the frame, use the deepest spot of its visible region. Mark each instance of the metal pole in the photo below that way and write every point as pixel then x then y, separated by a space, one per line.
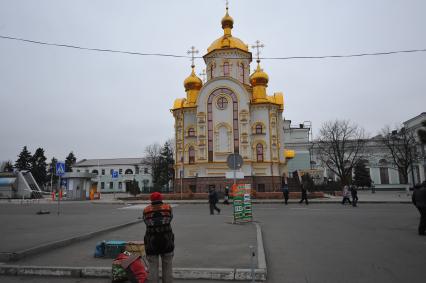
pixel 59 188
pixel 181 183
pixel 252 263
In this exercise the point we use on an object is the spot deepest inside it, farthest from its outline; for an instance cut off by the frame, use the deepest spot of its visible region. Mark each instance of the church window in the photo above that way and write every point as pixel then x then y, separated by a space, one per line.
pixel 128 172
pixel 191 155
pixel 259 129
pixel 242 72
pixel 191 132
pixel 259 152
pixel 211 70
pixel 226 69
pixel 222 102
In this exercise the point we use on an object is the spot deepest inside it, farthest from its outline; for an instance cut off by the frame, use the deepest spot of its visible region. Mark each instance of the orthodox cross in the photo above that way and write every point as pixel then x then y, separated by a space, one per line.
pixel 193 51
pixel 227 4
pixel 257 47
pixel 203 75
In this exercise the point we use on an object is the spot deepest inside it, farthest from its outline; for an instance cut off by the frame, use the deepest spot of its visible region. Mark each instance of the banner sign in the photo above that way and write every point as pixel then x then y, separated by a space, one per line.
pixel 242 203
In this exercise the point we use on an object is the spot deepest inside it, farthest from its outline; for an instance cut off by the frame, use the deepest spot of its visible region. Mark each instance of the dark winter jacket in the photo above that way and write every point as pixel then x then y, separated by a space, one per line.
pixel 419 197
pixel 159 237
pixel 213 198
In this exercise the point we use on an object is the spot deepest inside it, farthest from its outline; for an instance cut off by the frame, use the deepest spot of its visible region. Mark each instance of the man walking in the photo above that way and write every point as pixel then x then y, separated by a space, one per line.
pixel 159 238
pixel 304 193
pixel 345 195
pixel 354 193
pixel 284 188
pixel 419 200
pixel 213 200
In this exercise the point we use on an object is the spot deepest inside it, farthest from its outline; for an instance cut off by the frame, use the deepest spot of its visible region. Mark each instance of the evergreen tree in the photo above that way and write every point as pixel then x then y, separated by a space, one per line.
pixel 8 167
pixel 166 165
pixel 69 162
pixel 362 175
pixel 133 188
pixel 24 160
pixel 39 166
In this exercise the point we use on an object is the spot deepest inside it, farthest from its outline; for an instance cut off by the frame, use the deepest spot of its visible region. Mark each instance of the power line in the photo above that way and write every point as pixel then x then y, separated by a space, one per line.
pixel 199 57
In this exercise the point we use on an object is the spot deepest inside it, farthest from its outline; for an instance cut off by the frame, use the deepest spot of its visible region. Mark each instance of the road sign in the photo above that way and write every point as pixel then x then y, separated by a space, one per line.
pixel 60 169
pixel 238 175
pixel 235 161
pixel 114 174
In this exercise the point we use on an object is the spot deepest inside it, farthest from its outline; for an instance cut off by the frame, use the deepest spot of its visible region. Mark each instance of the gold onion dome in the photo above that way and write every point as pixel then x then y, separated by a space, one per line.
pixel 227 40
pixel 259 77
pixel 227 21
pixel 192 82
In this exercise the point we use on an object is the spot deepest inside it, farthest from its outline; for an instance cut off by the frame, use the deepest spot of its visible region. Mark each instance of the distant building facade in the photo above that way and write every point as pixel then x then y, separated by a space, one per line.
pixel 377 159
pixel 128 169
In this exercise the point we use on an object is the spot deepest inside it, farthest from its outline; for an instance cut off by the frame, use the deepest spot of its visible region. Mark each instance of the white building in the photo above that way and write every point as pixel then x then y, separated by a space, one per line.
pixel 230 113
pixel 128 169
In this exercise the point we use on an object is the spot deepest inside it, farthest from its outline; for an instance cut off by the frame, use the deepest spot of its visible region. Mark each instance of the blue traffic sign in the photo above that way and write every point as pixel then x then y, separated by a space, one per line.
pixel 114 174
pixel 60 169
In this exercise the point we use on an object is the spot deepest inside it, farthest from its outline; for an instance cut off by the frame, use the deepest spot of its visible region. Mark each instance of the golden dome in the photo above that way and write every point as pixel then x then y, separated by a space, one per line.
pixel 227 40
pixel 192 82
pixel 259 77
pixel 227 21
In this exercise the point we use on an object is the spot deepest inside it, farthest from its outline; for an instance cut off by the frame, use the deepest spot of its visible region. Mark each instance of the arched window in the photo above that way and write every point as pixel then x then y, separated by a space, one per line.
pixel 128 172
pixel 259 152
pixel 191 155
pixel 191 132
pixel 242 72
pixel 95 172
pixel 259 129
pixel 226 69
pixel 211 70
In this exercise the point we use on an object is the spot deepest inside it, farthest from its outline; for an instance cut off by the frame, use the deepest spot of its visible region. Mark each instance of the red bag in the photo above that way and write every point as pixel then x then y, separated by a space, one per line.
pixel 134 267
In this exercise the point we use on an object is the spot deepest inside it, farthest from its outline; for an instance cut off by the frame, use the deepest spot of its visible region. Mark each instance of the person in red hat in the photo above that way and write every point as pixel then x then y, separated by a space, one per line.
pixel 159 238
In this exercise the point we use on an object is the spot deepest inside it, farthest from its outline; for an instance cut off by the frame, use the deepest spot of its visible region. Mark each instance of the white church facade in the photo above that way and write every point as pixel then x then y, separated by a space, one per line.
pixel 229 113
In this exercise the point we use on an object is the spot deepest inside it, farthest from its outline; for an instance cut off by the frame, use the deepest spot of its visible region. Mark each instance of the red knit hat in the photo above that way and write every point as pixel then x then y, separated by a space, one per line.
pixel 155 196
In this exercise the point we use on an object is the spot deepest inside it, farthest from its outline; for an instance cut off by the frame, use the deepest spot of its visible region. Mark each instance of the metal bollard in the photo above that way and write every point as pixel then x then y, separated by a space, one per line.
pixel 252 263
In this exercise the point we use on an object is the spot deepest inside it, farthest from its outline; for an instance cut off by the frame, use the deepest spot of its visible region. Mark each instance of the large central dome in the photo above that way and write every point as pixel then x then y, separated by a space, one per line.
pixel 227 40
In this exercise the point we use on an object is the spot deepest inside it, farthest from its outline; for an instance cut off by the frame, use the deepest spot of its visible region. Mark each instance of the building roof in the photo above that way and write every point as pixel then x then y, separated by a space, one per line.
pixel 112 161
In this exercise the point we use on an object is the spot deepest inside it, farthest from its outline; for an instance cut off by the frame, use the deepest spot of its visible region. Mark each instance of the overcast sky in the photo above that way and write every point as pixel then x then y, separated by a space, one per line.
pixel 105 105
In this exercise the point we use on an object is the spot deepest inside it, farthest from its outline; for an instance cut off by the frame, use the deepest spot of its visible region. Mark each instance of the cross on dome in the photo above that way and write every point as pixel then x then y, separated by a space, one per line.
pixel 257 47
pixel 192 51
pixel 203 75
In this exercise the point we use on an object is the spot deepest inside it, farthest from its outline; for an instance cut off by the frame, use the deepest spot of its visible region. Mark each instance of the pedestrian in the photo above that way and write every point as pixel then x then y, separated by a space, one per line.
pixel 159 238
pixel 213 200
pixel 226 197
pixel 284 188
pixel 304 193
pixel 345 195
pixel 373 188
pixel 419 200
pixel 354 193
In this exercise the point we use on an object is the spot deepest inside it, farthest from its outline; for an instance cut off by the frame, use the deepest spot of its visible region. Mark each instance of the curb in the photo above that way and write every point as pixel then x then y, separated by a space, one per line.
pixel 14 256
pixel 225 274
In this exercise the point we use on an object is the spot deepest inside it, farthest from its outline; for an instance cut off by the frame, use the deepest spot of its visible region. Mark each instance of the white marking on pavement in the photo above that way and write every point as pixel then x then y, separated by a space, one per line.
pixel 140 206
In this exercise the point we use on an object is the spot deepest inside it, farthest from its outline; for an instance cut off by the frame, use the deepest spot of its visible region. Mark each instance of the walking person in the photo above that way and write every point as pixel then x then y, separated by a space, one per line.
pixel 213 200
pixel 226 197
pixel 284 188
pixel 419 200
pixel 345 195
pixel 304 193
pixel 159 238
pixel 354 193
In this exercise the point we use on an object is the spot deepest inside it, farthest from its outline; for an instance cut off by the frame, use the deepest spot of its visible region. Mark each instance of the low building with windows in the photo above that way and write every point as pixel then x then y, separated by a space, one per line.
pixel 127 168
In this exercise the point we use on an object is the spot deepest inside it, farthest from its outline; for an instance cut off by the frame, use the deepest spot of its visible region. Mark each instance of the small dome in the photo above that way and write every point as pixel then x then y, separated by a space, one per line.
pixel 259 77
pixel 227 21
pixel 192 82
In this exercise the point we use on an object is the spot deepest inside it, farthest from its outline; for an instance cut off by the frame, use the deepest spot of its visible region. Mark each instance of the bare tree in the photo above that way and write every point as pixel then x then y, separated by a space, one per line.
pixel 153 159
pixel 340 147
pixel 400 143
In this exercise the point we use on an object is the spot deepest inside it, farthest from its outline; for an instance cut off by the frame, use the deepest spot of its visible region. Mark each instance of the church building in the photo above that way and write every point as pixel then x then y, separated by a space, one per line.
pixel 231 112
